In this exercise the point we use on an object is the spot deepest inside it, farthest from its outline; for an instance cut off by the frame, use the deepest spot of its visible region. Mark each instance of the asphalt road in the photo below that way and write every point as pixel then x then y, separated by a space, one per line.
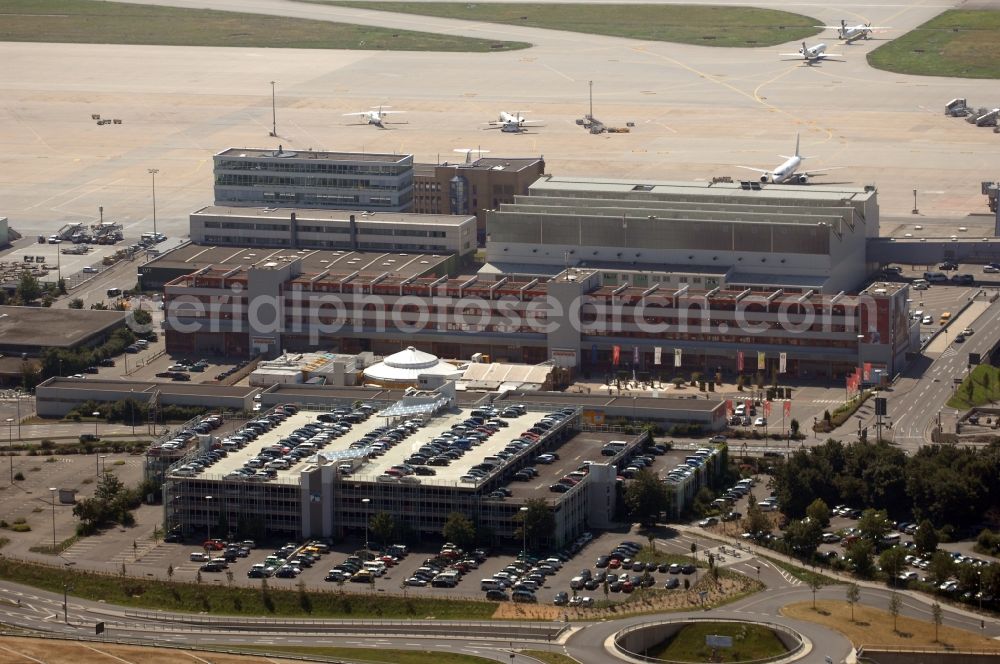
pixel 918 397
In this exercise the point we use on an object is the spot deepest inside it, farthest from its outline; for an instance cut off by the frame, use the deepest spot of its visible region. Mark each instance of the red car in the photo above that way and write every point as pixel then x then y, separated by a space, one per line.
pixel 214 544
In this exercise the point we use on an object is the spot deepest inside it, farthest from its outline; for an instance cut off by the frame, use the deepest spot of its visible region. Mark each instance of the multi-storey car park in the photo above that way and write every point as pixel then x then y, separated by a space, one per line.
pixel 353 466
pixel 574 318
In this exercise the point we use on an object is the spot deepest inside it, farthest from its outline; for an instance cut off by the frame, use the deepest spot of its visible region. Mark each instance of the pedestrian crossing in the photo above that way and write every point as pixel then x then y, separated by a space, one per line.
pixel 950 351
pixel 829 401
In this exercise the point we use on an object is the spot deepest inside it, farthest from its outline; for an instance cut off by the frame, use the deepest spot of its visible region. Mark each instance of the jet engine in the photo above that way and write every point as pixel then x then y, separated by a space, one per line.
pixel 802 179
pixel 765 178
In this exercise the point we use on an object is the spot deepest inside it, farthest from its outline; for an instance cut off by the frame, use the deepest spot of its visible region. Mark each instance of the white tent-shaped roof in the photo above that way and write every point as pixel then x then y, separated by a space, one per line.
pixel 406 365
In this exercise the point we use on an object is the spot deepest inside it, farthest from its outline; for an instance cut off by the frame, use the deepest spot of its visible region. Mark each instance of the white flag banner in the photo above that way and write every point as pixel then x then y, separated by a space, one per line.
pixel 677 357
pixel 657 352
pixel 782 360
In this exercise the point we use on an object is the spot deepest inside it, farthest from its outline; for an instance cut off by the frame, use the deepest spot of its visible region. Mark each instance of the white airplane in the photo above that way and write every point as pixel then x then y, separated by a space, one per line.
pixel 852 33
pixel 376 116
pixel 512 123
pixel 813 54
pixel 787 171
pixel 468 153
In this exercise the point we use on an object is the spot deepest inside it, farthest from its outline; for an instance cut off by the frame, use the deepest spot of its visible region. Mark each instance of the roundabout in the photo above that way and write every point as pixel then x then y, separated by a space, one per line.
pixel 699 640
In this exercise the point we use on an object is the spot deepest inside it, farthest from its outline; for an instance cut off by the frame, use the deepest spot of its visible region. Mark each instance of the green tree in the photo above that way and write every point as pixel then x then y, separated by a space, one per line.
pixel 538 521
pixel 142 317
pixel 28 289
pixel 814 585
pixel 819 512
pixel 459 529
pixel 860 555
pixel 941 568
pixel 894 605
pixel 937 615
pixel 874 525
pixel 893 561
pixel 756 522
pixel 803 537
pixel 645 498
pixel 925 538
pixel 853 596
pixel 383 526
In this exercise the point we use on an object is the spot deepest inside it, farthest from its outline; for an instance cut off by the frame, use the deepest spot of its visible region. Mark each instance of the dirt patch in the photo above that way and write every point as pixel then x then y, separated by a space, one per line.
pixel 873 626
pixel 18 650
pixel 642 601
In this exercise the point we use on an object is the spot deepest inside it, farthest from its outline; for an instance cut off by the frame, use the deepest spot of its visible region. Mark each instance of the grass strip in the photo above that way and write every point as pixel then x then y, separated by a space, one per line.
pixel 956 43
pixel 100 22
pixel 704 25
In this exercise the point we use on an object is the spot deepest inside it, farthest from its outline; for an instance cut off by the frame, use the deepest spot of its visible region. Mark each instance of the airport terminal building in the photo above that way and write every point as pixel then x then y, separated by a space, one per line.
pixel 641 321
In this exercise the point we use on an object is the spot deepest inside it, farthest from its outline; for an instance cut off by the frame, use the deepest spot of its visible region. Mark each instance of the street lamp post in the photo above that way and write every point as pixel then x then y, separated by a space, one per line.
pixel 10 444
pixel 53 490
pixel 97 457
pixel 524 531
pixel 979 575
pixel 274 117
pixel 366 502
pixel 153 172
pixel 208 516
pixel 66 588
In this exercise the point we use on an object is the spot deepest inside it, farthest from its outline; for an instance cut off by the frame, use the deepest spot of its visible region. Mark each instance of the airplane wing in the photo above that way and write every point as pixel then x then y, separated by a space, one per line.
pixel 757 170
pixel 830 55
pixel 821 171
pixel 362 113
pixel 792 55
pixel 391 112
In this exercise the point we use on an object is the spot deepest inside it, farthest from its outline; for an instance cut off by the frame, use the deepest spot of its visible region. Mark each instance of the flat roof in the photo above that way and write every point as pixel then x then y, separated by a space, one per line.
pixel 376 466
pixel 45 326
pixel 552 183
pixel 86 385
pixel 451 473
pixel 481 164
pixel 584 446
pixel 378 157
pixel 604 401
pixel 312 214
pixel 191 257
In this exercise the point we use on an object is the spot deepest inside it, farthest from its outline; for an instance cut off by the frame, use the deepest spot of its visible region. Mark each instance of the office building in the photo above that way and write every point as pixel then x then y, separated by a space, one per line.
pixel 253 177
pixel 348 230
pixel 473 187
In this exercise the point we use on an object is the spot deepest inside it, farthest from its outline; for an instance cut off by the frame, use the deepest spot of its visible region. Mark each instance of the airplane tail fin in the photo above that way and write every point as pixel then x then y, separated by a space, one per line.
pixel 797 146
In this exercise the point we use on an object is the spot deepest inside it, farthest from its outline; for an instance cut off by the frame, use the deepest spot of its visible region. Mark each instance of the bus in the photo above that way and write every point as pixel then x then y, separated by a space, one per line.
pixel 945 317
